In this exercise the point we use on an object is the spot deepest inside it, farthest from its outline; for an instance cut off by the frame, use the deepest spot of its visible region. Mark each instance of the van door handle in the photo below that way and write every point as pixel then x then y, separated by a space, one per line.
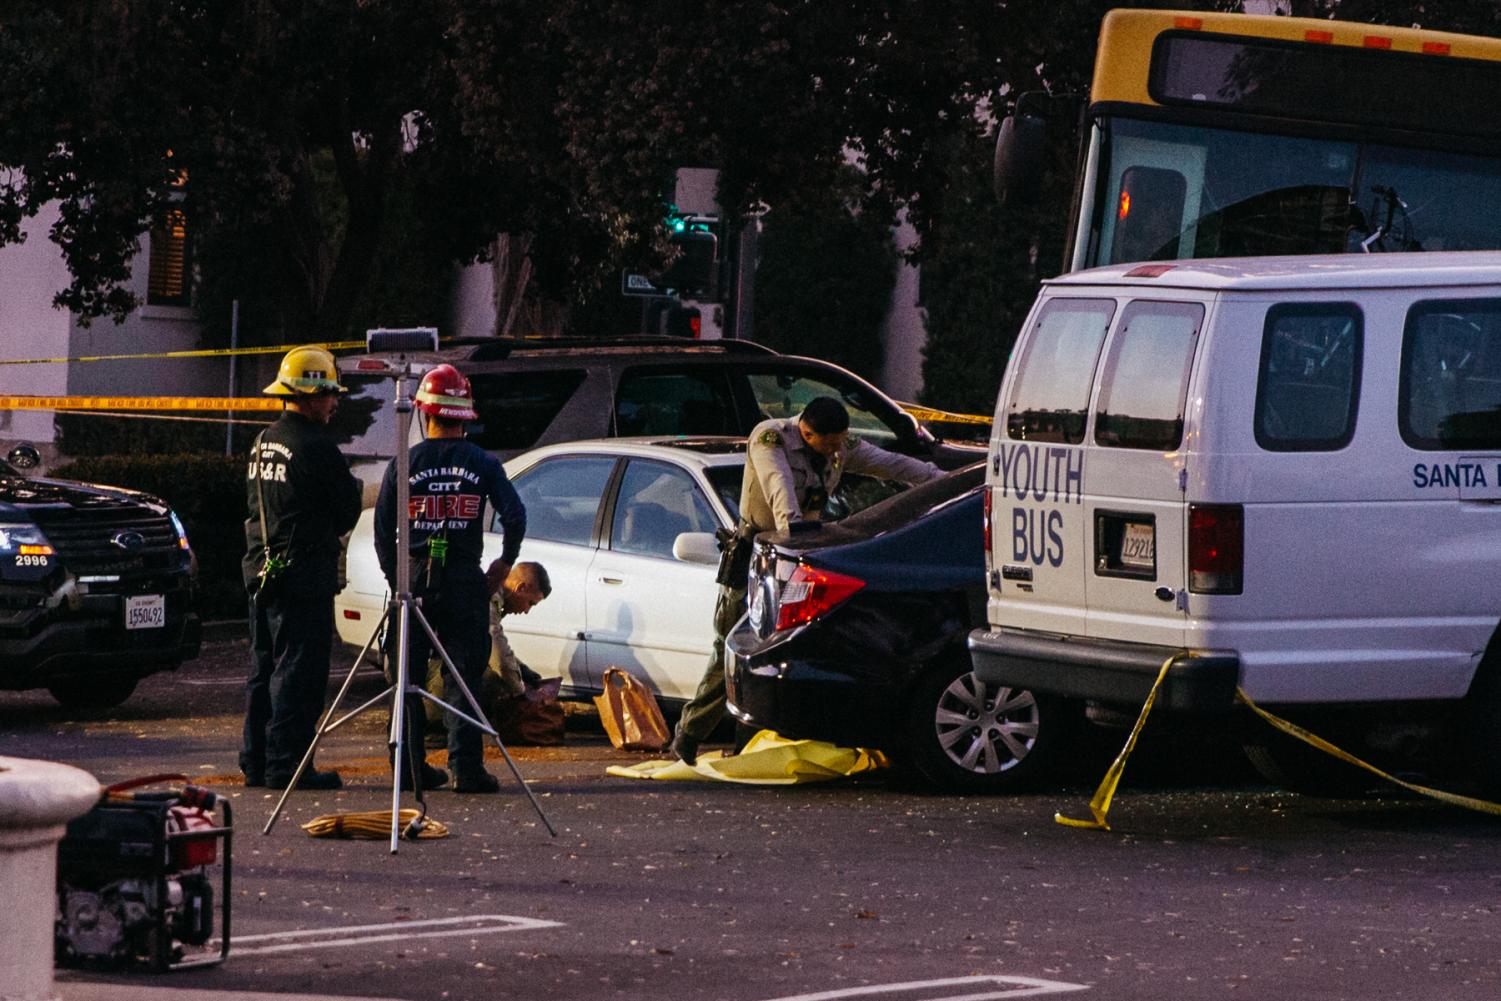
pixel 612 580
pixel 1164 594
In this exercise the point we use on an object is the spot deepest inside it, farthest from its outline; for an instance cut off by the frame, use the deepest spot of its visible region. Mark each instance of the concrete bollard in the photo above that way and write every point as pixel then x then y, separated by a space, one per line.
pixel 37 799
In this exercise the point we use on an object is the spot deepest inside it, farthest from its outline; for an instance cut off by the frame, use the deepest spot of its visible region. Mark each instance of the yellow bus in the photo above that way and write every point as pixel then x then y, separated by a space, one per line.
pixel 1219 135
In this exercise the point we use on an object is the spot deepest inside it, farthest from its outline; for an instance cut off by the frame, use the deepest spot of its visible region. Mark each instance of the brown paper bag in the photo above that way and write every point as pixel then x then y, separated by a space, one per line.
pixel 630 714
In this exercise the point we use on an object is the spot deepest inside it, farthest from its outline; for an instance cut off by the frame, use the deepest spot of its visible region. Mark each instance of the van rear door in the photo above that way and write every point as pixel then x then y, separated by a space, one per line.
pixel 1136 518
pixel 1036 475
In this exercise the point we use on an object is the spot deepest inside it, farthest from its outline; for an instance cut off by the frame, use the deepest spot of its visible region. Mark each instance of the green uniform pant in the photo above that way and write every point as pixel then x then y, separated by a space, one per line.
pixel 703 714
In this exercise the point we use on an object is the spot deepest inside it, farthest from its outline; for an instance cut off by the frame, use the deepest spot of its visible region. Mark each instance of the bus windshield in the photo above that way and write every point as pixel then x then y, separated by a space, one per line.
pixel 1166 190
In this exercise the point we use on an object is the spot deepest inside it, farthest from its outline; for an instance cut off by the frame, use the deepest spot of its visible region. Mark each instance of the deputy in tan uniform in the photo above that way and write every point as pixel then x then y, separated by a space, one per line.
pixel 792 466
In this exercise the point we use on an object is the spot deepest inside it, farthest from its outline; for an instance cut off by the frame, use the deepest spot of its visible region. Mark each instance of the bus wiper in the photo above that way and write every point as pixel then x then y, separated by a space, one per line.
pixel 1395 206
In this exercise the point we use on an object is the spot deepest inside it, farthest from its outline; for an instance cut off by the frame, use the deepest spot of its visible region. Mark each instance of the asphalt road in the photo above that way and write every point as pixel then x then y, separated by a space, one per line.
pixel 1211 885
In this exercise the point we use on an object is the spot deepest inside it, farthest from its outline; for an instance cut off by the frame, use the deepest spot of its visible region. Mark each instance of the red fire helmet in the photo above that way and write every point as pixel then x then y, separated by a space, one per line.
pixel 445 393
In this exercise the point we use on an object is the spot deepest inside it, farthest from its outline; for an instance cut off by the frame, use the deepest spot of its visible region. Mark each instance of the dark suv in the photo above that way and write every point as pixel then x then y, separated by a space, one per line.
pixel 536 392
pixel 96 589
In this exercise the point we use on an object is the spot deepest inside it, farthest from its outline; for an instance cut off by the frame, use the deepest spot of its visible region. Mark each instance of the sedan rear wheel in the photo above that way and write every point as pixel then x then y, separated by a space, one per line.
pixel 970 736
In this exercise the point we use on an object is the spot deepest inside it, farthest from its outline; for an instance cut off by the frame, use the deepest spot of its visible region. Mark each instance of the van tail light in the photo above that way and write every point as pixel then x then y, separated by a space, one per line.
pixel 1216 548
pixel 985 518
pixel 811 592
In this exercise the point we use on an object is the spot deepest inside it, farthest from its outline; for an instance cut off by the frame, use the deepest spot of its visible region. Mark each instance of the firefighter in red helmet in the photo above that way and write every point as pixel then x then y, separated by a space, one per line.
pixel 450 480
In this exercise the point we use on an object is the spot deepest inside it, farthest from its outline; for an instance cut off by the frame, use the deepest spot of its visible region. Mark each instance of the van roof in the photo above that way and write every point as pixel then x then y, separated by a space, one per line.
pixel 1323 271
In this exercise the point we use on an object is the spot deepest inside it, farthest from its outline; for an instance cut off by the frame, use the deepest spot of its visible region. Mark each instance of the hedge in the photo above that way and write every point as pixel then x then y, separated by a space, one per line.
pixel 208 493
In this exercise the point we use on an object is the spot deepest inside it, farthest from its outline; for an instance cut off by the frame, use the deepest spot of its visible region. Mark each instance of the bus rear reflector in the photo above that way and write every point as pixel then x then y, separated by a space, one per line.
pixel 350 613
pixel 1216 548
pixel 985 518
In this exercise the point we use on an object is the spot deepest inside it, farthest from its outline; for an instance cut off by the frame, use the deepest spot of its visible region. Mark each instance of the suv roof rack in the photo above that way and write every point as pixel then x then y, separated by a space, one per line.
pixel 498 348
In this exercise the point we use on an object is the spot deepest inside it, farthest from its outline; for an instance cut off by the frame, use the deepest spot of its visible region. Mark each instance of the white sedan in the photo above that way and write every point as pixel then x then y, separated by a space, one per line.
pixel 624 527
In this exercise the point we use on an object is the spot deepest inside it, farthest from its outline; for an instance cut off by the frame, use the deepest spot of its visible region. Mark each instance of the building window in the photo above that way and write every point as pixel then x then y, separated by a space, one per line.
pixel 169 282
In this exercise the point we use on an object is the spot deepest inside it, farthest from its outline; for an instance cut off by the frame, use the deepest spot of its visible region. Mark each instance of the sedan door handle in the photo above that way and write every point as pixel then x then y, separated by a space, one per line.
pixel 612 580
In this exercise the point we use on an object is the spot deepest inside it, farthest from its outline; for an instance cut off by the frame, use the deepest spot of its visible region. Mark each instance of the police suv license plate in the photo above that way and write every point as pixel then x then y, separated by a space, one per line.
pixel 145 611
pixel 1139 546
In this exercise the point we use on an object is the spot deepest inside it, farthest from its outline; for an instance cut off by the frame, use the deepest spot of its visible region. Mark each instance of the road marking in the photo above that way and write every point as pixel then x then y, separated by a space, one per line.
pixel 395 931
pixel 1012 987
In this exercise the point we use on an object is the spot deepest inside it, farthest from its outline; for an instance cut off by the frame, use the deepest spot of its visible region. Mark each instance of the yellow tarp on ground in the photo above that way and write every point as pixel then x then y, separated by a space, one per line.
pixel 768 759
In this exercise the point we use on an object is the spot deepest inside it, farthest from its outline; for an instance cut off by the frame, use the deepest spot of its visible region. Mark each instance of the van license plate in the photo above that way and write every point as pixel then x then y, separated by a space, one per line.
pixel 1139 546
pixel 145 611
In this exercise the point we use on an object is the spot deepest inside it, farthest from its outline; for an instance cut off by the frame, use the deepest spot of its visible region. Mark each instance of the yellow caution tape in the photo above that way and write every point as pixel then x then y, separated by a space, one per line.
pixel 372 824
pixel 1099 804
pixel 259 403
pixel 1293 729
pixel 948 416
pixel 274 349
pixel 767 759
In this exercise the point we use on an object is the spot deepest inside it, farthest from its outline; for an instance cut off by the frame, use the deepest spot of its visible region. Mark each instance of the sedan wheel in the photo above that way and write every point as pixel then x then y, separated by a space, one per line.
pixel 970 736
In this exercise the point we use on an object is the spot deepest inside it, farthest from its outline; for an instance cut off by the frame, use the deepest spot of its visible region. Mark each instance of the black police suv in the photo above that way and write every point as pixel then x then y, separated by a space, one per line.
pixel 96 589
pixel 856 635
pixel 535 392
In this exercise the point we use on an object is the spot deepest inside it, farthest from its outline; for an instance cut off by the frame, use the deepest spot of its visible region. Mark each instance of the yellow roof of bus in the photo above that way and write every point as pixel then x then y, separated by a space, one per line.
pixel 1126 38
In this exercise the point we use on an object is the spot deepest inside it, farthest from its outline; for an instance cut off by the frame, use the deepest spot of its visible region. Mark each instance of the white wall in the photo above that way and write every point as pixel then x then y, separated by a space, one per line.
pixel 31 273
pixel 902 332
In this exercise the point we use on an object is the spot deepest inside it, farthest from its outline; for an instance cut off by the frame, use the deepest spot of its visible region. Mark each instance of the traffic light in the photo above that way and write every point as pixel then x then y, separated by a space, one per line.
pixel 682 321
pixel 695 270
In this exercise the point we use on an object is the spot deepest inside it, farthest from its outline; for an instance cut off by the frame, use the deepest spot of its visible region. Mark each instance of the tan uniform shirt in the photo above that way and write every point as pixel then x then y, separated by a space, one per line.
pixel 782 485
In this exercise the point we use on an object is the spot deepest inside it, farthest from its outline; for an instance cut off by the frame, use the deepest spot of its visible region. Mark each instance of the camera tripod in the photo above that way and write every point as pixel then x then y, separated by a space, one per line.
pixel 401 611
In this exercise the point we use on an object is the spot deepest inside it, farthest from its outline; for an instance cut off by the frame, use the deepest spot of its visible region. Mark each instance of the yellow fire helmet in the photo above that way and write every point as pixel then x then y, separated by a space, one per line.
pixel 306 371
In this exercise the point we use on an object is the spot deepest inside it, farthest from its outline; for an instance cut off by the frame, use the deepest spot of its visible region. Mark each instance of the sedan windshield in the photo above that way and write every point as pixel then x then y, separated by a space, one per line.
pixel 1170 191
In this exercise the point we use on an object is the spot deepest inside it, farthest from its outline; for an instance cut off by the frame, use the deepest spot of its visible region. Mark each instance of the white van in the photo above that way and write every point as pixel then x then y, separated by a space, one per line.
pixel 1283 473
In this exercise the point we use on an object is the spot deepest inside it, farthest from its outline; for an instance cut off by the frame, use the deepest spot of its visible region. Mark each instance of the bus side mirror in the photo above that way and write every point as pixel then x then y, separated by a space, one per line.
pixel 1019 148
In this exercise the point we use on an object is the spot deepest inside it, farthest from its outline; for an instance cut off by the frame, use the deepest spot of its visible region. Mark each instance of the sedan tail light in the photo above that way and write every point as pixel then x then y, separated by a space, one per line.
pixel 1216 548
pixel 811 592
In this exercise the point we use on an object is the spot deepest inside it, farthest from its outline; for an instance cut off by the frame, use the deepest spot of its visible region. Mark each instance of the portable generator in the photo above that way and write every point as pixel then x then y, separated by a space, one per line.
pixel 133 878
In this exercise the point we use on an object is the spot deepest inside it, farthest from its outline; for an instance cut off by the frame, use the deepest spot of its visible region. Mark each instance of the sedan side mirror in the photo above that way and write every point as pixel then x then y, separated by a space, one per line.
pixel 24 456
pixel 696 547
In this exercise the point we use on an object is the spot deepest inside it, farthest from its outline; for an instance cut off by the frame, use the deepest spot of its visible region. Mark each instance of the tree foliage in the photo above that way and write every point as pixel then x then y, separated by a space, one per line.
pixel 824 281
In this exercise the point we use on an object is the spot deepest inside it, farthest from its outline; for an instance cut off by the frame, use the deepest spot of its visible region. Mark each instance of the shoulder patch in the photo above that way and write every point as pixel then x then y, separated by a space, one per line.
pixel 769 437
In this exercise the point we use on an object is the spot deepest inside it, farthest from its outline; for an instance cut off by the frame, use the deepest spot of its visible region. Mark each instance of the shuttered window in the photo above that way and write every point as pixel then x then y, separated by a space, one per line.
pixel 169 282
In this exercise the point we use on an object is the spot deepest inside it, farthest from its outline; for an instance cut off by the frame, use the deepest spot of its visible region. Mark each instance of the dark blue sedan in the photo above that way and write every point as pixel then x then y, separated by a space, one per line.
pixel 856 635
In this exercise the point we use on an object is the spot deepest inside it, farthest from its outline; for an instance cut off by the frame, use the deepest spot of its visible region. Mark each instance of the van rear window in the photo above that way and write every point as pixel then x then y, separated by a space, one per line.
pixel 1050 396
pixel 1451 375
pixel 1308 388
pixel 1145 382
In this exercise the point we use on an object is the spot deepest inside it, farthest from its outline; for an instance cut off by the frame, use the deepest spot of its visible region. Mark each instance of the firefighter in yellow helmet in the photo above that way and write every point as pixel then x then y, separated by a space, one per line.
pixel 302 498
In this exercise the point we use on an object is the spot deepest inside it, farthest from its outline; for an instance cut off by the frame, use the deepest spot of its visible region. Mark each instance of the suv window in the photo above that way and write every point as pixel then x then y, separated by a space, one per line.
pixel 1050 398
pixel 785 394
pixel 516 407
pixel 656 504
pixel 365 422
pixel 1451 375
pixel 1308 387
pixel 1145 382
pixel 681 401
pixel 562 497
